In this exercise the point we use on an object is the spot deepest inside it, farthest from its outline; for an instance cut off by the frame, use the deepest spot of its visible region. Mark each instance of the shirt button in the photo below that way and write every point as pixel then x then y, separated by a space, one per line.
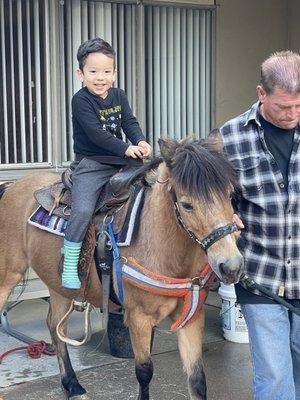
pixel 281 185
pixel 289 237
pixel 288 261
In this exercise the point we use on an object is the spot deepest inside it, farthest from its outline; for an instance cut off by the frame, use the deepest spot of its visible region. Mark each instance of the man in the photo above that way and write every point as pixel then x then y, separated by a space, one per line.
pixel 263 146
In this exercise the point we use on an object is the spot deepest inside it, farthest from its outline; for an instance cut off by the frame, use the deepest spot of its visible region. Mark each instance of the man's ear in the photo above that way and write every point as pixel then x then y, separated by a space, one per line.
pixel 261 93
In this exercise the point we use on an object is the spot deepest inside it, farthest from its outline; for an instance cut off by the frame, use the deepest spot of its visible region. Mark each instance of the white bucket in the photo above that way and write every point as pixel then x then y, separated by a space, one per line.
pixel 233 322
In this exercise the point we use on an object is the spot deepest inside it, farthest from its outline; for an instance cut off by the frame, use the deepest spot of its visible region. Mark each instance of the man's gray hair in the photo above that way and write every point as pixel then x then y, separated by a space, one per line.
pixel 281 69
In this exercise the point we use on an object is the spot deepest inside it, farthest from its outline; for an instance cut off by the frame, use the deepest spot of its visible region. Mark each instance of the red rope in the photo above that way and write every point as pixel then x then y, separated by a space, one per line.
pixel 35 350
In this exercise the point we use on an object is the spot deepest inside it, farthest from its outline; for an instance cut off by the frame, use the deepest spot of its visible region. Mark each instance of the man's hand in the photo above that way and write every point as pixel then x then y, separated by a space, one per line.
pixel 238 221
pixel 146 148
pixel 134 151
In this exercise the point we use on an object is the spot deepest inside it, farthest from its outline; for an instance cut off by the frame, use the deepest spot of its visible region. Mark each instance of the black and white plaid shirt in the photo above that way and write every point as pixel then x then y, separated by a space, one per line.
pixel 270 212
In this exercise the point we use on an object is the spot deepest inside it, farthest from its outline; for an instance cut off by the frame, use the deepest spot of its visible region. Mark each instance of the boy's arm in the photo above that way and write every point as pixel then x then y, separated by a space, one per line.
pixel 86 116
pixel 129 123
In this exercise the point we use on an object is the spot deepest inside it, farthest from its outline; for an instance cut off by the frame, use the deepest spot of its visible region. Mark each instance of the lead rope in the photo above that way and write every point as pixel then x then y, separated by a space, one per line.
pixel 34 350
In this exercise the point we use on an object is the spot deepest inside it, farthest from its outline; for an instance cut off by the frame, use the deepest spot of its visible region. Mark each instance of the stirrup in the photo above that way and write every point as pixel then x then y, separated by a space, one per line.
pixel 84 306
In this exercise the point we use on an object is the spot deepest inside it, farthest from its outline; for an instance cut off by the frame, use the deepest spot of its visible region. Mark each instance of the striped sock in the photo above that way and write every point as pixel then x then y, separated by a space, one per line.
pixel 71 251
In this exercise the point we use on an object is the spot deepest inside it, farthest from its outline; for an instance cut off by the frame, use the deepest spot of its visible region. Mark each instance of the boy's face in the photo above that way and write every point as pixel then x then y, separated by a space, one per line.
pixel 98 74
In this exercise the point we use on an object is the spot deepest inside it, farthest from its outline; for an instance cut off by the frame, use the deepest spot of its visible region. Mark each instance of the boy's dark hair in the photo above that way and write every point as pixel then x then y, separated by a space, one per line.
pixel 96 45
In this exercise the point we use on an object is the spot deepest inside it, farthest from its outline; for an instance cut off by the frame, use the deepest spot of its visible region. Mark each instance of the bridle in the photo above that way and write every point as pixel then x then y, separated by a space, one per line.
pixel 210 239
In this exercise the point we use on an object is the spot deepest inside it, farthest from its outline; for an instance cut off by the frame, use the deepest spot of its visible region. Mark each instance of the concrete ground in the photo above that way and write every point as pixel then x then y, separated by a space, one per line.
pixel 227 364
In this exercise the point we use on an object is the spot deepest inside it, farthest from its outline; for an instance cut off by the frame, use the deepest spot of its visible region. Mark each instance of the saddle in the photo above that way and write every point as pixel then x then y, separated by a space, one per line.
pixel 117 198
pixel 57 198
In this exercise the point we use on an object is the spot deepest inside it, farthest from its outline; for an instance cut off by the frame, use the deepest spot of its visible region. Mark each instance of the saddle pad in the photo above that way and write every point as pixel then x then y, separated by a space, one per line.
pixel 51 223
pixel 130 226
pixel 40 218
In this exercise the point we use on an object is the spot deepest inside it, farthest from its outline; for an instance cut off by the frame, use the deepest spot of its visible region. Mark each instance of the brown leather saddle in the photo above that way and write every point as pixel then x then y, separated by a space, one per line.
pixel 57 198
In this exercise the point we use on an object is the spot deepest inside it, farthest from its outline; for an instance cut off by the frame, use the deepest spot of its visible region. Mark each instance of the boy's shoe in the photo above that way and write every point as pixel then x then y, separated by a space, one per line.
pixel 71 252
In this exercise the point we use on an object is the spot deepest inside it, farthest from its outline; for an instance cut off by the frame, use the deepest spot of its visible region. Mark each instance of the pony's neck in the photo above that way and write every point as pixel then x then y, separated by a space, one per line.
pixel 172 252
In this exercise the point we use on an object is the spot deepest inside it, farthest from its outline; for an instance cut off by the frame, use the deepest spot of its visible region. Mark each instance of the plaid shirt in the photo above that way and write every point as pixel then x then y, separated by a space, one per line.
pixel 270 241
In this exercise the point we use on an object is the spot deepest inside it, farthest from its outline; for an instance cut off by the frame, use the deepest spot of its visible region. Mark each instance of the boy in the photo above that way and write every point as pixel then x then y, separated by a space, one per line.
pixel 99 112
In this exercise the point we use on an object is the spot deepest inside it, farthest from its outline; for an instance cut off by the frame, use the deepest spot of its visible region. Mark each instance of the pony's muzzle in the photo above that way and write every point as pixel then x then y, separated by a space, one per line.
pixel 229 270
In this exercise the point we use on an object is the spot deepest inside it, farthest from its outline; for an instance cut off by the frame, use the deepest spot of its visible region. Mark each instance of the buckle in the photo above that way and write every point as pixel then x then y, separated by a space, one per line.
pixel 80 305
pixel 197 280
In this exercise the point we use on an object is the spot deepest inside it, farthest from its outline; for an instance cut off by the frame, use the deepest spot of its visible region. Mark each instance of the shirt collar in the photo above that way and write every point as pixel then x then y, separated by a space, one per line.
pixel 253 114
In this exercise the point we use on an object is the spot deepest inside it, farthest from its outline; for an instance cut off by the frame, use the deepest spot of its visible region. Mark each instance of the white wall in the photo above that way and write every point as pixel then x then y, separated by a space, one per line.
pixel 247 33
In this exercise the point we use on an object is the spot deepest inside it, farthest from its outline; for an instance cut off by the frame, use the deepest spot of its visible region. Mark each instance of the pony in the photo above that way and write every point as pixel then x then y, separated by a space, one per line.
pixel 189 200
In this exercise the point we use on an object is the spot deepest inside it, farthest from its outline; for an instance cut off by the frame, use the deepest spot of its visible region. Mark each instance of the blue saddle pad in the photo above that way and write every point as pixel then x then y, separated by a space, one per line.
pixel 51 223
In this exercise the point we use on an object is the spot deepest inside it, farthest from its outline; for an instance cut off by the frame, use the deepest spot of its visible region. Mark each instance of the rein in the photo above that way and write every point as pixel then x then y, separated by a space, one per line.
pixel 252 284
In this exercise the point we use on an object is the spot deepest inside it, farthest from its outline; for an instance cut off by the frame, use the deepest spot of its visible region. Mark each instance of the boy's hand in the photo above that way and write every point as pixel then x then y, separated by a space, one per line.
pixel 134 152
pixel 146 148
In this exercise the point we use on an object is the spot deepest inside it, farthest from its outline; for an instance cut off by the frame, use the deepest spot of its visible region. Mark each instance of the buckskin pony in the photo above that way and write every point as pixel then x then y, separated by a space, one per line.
pixel 189 200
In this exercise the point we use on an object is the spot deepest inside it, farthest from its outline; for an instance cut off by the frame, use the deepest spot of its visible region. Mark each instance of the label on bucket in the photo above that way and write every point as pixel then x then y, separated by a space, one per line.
pixel 240 324
pixel 226 320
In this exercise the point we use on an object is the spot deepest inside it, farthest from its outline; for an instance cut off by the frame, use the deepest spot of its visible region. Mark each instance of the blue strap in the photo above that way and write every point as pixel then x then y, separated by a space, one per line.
pixel 116 263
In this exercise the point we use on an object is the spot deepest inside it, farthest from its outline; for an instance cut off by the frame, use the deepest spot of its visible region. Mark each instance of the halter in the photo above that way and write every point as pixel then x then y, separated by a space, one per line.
pixel 210 239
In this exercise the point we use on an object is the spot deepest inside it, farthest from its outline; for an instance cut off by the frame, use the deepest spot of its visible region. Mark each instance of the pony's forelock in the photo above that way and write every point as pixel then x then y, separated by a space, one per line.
pixel 202 171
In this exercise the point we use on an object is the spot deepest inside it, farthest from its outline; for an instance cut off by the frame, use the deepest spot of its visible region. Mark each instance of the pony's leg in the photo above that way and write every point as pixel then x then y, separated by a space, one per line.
pixel 141 334
pixel 7 285
pixel 59 305
pixel 190 348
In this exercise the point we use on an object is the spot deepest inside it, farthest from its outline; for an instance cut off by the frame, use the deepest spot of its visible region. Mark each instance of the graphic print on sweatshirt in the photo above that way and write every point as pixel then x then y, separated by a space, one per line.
pixel 111 119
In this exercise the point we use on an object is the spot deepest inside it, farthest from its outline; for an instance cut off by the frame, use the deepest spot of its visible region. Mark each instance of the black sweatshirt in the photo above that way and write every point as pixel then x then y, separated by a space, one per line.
pixel 97 124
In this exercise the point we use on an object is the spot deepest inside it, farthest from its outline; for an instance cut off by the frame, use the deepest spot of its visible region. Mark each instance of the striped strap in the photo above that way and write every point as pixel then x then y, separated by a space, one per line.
pixel 194 293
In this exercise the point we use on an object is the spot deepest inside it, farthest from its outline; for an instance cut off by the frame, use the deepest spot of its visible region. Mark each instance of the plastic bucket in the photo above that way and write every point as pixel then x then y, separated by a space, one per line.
pixel 233 322
pixel 118 336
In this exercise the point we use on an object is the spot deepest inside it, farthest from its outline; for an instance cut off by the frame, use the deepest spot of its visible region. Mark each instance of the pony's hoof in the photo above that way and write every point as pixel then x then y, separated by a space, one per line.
pixel 75 393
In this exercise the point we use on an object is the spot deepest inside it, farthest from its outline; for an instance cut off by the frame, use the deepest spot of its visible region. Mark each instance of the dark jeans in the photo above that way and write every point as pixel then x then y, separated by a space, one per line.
pixel 88 178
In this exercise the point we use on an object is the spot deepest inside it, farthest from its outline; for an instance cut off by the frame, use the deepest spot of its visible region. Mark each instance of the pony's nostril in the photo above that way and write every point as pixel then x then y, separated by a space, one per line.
pixel 223 269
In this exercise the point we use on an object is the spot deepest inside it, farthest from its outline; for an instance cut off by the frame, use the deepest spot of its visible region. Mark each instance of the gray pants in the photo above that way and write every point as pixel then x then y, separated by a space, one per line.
pixel 88 178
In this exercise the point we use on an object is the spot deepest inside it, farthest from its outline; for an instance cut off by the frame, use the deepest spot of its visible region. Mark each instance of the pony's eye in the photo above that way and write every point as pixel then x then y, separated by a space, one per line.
pixel 187 206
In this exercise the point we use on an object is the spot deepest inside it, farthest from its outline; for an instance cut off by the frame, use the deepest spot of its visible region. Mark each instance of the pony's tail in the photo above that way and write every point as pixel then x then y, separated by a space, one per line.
pixel 3 188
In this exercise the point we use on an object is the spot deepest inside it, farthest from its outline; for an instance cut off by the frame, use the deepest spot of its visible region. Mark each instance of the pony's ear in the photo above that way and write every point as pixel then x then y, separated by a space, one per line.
pixel 215 141
pixel 167 149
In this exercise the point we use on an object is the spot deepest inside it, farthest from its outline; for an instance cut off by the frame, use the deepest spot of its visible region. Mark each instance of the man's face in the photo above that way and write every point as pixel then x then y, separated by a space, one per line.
pixel 98 74
pixel 280 108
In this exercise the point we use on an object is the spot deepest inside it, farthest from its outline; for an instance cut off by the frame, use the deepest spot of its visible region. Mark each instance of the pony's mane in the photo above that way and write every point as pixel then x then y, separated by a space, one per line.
pixel 198 167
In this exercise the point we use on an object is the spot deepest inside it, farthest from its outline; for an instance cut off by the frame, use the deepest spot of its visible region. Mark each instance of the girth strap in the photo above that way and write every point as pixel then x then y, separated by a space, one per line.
pixel 193 290
pixel 116 263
